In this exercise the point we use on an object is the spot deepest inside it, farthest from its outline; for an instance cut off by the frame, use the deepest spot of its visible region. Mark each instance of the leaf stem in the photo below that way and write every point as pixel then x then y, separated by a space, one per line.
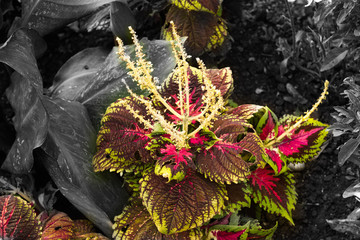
pixel 302 119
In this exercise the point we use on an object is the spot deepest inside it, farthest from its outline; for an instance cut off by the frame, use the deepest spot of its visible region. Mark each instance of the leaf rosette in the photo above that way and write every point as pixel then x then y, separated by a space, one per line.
pixel 187 158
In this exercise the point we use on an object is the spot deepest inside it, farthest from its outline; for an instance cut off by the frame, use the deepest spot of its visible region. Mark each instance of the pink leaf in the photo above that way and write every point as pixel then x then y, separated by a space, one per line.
pixel 222 235
pixel 275 157
pixel 198 139
pixel 194 108
pixel 263 177
pixel 172 154
pixel 296 141
pixel 269 127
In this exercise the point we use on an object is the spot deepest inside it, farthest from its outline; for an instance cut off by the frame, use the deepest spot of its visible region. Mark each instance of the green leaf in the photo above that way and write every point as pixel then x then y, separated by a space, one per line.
pixel 333 58
pixel 205 31
pixel 275 194
pixel 122 140
pixel 18 219
pixel 179 206
pixel 69 150
pixel 73 76
pixel 212 6
pixel 121 18
pixel 250 230
pixel 239 196
pixel 134 223
pixel 222 163
pixel 45 16
pixel 58 226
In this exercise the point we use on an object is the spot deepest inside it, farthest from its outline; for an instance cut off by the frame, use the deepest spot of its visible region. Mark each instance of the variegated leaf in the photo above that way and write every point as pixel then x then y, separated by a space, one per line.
pixel 304 143
pixel 122 138
pixel 83 226
pixel 250 230
pixel 90 236
pixel 58 226
pixel 239 196
pixel 276 194
pixel 134 223
pixel 174 163
pixel 205 31
pixel 228 127
pixel 245 111
pixel 179 206
pixel 257 232
pixel 18 219
pixel 223 235
pixel 253 144
pixel 222 79
pixel 212 6
pixel 267 125
pixel 222 163
pixel 274 159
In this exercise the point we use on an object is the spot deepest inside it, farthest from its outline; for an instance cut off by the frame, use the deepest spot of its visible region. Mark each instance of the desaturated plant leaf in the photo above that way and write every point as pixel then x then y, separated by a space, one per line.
pixel 45 16
pixel 69 148
pixel 18 219
pixel 348 124
pixel 24 95
pixel 96 82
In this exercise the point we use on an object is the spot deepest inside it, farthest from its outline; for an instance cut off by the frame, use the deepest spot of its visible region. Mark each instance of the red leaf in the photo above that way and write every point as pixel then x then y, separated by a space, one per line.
pixel 275 157
pixel 222 235
pixel 263 178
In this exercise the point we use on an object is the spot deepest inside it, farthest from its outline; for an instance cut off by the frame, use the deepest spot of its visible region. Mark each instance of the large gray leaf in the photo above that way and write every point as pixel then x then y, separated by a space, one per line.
pixel 47 15
pixel 121 18
pixel 106 85
pixel 17 52
pixel 70 145
pixel 77 72
pixel 30 122
pixel 24 95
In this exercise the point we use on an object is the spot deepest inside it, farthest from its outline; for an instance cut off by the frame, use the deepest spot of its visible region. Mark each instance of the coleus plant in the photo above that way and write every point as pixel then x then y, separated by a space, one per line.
pixel 201 22
pixel 19 220
pixel 189 160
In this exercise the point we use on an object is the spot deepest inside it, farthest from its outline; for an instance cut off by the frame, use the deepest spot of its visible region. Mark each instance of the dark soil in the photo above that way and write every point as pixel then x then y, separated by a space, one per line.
pixel 254 61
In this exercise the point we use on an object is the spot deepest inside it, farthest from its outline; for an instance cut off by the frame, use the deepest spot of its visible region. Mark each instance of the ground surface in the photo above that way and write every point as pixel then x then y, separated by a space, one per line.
pixel 254 61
